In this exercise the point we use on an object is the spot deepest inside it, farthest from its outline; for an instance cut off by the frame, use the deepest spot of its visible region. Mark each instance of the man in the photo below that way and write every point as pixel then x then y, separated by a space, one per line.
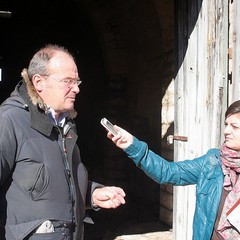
pixel 44 184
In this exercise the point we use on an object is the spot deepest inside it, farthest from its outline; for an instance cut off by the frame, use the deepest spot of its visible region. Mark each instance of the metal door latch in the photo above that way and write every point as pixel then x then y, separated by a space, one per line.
pixel 170 139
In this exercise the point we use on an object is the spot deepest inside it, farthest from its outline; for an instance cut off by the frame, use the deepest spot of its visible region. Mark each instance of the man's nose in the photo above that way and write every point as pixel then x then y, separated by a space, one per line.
pixel 76 88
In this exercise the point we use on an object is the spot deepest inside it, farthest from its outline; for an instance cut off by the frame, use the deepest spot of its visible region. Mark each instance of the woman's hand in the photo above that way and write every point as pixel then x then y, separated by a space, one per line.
pixel 123 139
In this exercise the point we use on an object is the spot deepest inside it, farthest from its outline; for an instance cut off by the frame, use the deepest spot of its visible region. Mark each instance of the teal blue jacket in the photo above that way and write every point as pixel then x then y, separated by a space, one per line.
pixel 205 172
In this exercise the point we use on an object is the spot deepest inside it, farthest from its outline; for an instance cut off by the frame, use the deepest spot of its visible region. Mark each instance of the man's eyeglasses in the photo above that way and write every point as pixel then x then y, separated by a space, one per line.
pixel 70 82
pixel 67 82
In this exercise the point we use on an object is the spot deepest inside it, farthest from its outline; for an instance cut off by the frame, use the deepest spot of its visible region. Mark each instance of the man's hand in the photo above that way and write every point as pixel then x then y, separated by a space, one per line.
pixel 108 197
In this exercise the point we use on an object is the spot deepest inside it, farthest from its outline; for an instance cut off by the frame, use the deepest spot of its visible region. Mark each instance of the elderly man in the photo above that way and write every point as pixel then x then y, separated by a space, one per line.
pixel 44 185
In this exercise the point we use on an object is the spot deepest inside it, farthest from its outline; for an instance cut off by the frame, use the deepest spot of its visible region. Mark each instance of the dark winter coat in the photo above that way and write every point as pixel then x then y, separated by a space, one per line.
pixel 41 173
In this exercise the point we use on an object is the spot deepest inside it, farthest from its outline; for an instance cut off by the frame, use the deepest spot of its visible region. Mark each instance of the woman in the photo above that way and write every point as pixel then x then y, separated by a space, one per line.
pixel 216 175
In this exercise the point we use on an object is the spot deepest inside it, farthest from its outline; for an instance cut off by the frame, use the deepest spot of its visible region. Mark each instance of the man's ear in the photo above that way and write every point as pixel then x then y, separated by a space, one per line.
pixel 38 82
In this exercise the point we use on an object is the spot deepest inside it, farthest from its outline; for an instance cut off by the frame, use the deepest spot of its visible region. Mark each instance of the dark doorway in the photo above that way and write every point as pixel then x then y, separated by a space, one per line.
pixel 130 92
pixel 31 25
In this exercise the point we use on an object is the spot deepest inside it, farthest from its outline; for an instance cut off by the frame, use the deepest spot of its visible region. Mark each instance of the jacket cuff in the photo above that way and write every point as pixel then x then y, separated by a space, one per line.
pixel 136 150
pixel 94 187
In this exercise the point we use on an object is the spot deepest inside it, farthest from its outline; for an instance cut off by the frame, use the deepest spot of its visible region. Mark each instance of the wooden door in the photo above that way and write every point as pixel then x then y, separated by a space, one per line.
pixel 200 92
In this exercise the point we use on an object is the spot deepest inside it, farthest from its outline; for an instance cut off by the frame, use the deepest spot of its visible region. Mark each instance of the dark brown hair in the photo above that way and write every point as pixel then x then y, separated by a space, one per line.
pixel 233 109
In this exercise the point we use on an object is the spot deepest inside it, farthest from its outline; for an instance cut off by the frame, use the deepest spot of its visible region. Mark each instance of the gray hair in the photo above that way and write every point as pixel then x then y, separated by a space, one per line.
pixel 40 60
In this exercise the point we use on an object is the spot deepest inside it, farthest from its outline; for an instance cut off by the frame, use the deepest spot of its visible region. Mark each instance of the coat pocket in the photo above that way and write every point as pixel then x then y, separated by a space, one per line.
pixel 36 179
pixel 61 235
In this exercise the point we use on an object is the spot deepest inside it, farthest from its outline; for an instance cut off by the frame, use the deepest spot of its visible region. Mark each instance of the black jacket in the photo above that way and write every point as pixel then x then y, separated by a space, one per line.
pixel 41 173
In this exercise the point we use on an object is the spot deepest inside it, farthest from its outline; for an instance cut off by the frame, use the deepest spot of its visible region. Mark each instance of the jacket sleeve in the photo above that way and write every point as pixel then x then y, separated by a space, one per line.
pixel 162 171
pixel 91 187
pixel 7 148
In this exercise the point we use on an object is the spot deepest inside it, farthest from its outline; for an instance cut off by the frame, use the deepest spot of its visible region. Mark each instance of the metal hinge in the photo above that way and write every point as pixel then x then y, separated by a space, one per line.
pixel 170 138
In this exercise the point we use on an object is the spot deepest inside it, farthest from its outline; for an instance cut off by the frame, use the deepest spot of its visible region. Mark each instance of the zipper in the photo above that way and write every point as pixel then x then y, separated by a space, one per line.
pixel 67 167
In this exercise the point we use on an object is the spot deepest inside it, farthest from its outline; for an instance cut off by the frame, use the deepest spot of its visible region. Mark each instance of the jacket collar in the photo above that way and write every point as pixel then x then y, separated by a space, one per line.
pixel 38 119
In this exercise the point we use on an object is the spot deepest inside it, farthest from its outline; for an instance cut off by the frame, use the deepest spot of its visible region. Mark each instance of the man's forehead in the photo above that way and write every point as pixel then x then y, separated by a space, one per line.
pixel 62 62
pixel 59 58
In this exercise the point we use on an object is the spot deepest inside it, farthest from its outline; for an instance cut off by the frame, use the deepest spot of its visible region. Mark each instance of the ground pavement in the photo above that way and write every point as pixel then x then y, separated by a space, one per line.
pixel 108 226
pixel 140 231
